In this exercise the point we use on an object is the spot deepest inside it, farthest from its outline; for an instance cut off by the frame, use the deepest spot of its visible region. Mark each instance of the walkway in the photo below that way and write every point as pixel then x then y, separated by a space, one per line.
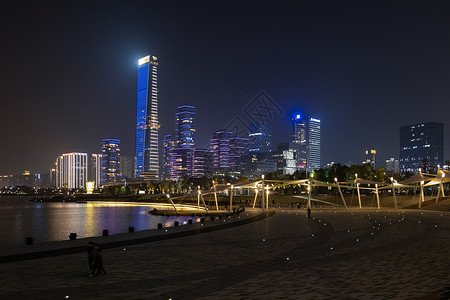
pixel 336 254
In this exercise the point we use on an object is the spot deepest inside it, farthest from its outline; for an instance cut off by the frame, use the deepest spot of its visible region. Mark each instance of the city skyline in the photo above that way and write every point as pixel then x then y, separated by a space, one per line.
pixel 364 69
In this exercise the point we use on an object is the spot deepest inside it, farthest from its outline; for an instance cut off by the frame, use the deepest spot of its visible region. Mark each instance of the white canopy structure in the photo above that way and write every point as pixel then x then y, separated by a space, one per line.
pixel 263 186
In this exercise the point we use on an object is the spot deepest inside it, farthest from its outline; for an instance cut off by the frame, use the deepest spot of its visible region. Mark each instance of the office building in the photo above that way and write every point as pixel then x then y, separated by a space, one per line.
pixel 127 164
pixel 181 162
pixel 306 142
pixel 185 124
pixel 370 157
pixel 110 162
pixel 239 154
pixel 393 165
pixel 71 170
pixel 260 138
pixel 147 124
pixel 286 159
pixel 167 163
pixel 94 169
pixel 220 147
pixel 421 143
pixel 202 163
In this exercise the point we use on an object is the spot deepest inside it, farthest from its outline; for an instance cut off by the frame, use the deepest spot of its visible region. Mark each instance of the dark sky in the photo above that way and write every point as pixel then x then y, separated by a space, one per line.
pixel 365 68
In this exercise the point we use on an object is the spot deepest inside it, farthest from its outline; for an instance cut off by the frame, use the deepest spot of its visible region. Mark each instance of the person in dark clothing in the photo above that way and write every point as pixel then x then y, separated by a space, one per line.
pixel 98 263
pixel 90 252
pixel 309 212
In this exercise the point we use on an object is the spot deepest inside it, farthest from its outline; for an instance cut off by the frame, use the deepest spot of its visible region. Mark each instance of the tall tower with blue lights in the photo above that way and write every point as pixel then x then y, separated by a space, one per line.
pixel 147 123
pixel 306 142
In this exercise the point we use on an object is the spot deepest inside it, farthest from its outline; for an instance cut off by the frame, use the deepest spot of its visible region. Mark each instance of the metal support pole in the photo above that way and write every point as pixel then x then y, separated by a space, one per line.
pixel 395 198
pixel 309 193
pixel 198 197
pixel 359 195
pixel 441 190
pixel 267 198
pixel 421 195
pixel 173 204
pixel 256 196
pixel 378 195
pixel 215 196
pixel 342 196
pixel 263 193
pixel 231 199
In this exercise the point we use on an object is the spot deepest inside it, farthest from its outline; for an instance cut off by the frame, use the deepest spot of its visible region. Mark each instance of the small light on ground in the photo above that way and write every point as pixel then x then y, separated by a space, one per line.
pixel 287 258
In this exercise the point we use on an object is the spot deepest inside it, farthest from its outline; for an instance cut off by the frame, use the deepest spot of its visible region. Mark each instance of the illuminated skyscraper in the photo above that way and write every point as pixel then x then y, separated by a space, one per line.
pixel 421 142
pixel 185 124
pixel 260 138
pixel 147 125
pixel 370 157
pixel 306 142
pixel 71 170
pixel 110 163
pixel 220 147
pixel 313 143
pixel 94 169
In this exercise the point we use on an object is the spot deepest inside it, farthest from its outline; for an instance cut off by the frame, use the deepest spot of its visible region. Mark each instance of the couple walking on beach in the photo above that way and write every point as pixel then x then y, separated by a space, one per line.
pixel 95 259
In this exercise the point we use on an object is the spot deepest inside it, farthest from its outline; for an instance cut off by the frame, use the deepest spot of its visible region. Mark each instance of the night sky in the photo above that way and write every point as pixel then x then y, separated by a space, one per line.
pixel 365 68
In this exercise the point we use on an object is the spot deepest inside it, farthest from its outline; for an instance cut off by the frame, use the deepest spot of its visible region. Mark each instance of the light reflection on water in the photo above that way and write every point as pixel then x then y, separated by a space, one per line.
pixel 54 221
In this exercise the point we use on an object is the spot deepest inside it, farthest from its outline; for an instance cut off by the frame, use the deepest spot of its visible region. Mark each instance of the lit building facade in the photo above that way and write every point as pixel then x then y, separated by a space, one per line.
pixel 94 169
pixel 127 164
pixel 71 170
pixel 147 125
pixel 202 163
pixel 393 165
pixel 182 159
pixel 220 147
pixel 370 157
pixel 239 154
pixel 167 164
pixel 421 142
pixel 306 142
pixel 110 162
pixel 185 124
pixel 260 138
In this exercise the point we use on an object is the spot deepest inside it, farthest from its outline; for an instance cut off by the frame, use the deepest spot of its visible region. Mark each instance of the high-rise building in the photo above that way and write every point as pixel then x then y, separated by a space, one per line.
pixel 147 124
pixel 286 159
pixel 110 162
pixel 393 165
pixel 260 138
pixel 127 166
pixel 94 169
pixel 185 124
pixel 71 170
pixel 202 163
pixel 239 155
pixel 306 142
pixel 370 157
pixel 167 165
pixel 220 147
pixel 299 141
pixel 181 162
pixel 421 143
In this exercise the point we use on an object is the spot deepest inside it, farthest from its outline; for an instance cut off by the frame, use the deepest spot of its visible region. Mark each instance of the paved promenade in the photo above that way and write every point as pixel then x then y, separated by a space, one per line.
pixel 335 254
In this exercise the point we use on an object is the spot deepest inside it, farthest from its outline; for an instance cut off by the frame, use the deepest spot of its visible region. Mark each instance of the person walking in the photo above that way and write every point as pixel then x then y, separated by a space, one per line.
pixel 98 264
pixel 90 252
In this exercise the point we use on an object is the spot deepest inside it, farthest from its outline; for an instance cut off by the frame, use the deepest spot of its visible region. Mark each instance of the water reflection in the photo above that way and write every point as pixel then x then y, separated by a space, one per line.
pixel 52 221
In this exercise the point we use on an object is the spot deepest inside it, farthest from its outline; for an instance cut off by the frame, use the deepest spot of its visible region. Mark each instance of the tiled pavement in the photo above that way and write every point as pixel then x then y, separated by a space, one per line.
pixel 336 254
